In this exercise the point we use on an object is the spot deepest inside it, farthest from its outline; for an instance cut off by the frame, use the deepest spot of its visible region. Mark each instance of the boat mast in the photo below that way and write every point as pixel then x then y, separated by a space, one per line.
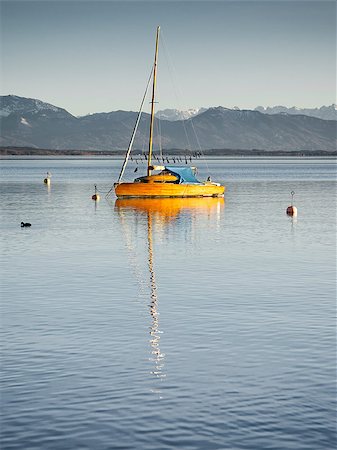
pixel 152 104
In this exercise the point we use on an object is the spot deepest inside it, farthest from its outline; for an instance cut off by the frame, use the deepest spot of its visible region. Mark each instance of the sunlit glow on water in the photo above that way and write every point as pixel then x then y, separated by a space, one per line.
pixel 160 324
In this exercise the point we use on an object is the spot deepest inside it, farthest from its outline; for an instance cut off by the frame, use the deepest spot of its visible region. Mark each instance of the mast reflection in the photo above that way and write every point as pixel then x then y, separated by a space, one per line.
pixel 157 355
pixel 159 214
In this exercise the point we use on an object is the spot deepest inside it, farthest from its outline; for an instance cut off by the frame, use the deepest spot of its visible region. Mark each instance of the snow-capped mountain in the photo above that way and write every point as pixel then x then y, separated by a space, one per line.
pixel 324 112
pixel 10 104
pixel 176 114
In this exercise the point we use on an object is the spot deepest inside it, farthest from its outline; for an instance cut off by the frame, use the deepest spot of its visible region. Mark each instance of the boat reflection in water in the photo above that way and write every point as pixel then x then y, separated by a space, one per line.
pixel 165 210
pixel 156 215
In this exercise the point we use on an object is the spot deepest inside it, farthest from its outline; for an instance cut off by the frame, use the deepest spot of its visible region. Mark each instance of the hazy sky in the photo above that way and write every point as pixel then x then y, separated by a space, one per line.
pixel 94 56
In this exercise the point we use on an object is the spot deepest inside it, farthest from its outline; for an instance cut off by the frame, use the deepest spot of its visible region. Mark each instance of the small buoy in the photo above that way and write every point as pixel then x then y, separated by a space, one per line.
pixel 47 179
pixel 96 197
pixel 27 224
pixel 292 210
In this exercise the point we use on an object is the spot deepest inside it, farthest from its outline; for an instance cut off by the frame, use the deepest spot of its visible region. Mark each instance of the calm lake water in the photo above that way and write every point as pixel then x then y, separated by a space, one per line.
pixel 153 325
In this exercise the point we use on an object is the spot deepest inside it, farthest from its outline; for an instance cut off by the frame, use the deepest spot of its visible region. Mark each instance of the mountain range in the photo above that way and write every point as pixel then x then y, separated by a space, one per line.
pixel 32 123
pixel 324 112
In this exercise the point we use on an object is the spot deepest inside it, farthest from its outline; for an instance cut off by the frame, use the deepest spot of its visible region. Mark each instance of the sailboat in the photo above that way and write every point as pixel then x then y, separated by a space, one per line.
pixel 162 181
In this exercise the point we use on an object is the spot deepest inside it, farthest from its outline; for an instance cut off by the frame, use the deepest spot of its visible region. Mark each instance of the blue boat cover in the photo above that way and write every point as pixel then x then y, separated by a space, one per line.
pixel 185 174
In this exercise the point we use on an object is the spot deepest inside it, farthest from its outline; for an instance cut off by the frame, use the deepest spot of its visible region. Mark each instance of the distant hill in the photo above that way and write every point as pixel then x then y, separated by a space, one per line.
pixel 33 123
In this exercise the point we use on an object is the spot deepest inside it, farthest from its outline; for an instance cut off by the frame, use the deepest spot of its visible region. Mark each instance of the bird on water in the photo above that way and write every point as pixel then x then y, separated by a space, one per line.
pixel 27 224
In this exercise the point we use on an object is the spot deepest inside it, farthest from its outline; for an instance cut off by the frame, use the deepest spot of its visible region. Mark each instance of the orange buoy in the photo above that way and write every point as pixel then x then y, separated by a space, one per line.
pixel 292 210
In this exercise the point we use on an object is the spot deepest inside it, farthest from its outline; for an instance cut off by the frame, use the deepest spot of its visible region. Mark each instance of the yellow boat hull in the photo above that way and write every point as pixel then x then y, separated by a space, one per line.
pixel 162 190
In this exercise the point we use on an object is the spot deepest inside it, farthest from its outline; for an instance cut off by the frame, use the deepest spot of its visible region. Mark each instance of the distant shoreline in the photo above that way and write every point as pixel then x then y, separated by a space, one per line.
pixel 35 152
